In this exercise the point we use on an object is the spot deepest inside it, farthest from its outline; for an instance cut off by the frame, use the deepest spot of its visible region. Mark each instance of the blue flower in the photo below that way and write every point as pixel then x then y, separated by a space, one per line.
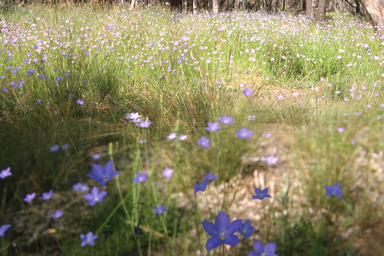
pixel 54 148
pixel 268 250
pixel 212 127
pixel 167 172
pixel 3 229
pixel 203 142
pixel 335 190
pixel 47 196
pixel 200 186
pixel 110 26
pixel 244 133
pixel 80 187
pixel 81 102
pixel 39 100
pixel 159 210
pixel 95 196
pixel 222 231
pixel 65 146
pixel 29 197
pixel 210 177
pixel 57 214
pixel 144 124
pixel 88 239
pixel 171 136
pixel 246 229
pixel 248 92
pixel 140 178
pixel 103 175
pixel 226 120
pixel 260 194
pixel 5 173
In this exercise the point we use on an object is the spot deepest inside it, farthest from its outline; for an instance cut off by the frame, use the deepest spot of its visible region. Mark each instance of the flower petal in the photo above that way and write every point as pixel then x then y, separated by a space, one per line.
pixel 259 247
pixel 234 226
pixel 222 221
pixel 108 168
pixel 231 240
pixel 98 170
pixel 270 249
pixel 253 253
pixel 94 176
pixel 88 197
pixel 212 243
pixel 210 228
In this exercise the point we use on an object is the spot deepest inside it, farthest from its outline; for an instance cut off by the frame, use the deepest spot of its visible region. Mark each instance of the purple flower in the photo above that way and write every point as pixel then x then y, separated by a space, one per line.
pixel 268 250
pixel 226 120
pixel 103 175
pixel 340 129
pixel 68 74
pixel 144 124
pixel 335 190
pixel 39 100
pixel 88 239
pixel 210 177
pixel 95 196
pixel 159 210
pixel 65 146
pixel 247 92
pixel 222 231
pixel 47 196
pixel 272 160
pixel 5 173
pixel 140 178
pixel 167 172
pixel 200 186
pixel 212 127
pixel 43 77
pixel 244 133
pixel 57 214
pixel 183 137
pixel 80 187
pixel 29 198
pixel 81 102
pixel 203 142
pixel 110 26
pixel 142 141
pixel 171 136
pixel 3 229
pixel 260 194
pixel 246 229
pixel 57 79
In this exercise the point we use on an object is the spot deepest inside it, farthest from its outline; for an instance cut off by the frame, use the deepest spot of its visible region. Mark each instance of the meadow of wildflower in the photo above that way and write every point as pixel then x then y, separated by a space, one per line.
pixel 144 132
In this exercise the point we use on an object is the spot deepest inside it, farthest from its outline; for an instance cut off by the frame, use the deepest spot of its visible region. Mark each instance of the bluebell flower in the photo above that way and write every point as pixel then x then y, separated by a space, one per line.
pixel 103 175
pixel 247 92
pixel 272 160
pixel 171 136
pixel 39 100
pixel 57 214
pixel 260 194
pixel 88 239
pixel 200 186
pixel 203 142
pixel 212 127
pixel 80 187
pixel 95 196
pixel 81 102
pixel 3 229
pixel 268 250
pixel 222 231
pixel 182 137
pixel 29 197
pixel 246 229
pixel 167 172
pixel 226 120
pixel 47 196
pixel 159 210
pixel 54 148
pixel 140 178
pixel 5 173
pixel 65 146
pixel 144 124
pixel 335 190
pixel 210 177
pixel 244 133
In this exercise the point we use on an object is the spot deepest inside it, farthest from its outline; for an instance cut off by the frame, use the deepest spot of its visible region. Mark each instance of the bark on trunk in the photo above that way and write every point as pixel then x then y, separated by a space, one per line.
pixel 195 6
pixel 321 9
pixel 375 9
pixel 308 7
pixel 132 5
pixel 215 6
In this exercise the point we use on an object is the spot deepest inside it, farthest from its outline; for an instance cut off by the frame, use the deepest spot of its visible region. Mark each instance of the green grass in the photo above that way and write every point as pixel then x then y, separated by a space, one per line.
pixel 271 49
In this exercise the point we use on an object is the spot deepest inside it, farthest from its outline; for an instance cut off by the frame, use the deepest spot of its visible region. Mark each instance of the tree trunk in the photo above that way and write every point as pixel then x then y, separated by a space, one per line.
pixel 375 9
pixel 215 6
pixel 195 6
pixel 132 5
pixel 358 11
pixel 322 5
pixel 309 8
